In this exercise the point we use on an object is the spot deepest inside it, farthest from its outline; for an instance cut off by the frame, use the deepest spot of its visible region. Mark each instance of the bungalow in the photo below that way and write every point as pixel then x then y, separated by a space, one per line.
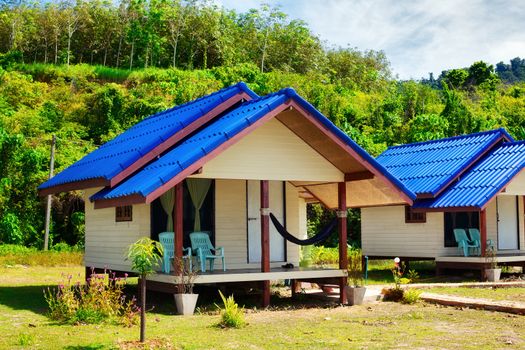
pixel 467 182
pixel 220 164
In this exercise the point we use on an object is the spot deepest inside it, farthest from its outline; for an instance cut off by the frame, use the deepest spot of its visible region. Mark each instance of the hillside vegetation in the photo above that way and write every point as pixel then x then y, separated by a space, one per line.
pixel 86 105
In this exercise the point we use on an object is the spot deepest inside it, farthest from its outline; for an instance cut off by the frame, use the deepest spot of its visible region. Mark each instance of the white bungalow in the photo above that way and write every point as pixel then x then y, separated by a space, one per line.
pixel 468 182
pixel 219 164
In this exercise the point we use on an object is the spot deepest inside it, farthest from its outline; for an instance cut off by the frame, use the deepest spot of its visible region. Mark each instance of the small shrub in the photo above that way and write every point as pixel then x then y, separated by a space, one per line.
pixel 411 296
pixel 393 294
pixel 412 275
pixel 404 280
pixel 100 300
pixel 232 316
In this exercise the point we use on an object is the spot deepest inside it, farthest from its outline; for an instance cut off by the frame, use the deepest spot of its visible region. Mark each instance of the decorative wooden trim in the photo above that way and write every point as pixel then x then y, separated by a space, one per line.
pixel 351 151
pixel 343 236
pixel 362 175
pixel 483 231
pixel 73 186
pixel 145 159
pixel 116 202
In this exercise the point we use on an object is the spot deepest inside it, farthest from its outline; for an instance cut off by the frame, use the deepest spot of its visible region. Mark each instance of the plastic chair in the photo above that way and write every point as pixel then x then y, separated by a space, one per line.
pixel 204 250
pixel 167 239
pixel 463 242
pixel 475 237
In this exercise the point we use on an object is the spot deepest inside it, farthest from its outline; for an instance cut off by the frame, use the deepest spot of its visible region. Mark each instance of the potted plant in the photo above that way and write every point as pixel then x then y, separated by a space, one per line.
pixel 355 291
pixel 493 273
pixel 185 299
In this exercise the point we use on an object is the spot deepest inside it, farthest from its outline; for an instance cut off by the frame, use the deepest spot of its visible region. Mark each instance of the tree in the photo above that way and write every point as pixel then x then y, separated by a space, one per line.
pixel 144 254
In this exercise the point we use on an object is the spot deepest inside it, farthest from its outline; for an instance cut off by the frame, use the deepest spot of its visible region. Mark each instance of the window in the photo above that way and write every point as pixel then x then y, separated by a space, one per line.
pixel 460 219
pixel 414 217
pixel 124 213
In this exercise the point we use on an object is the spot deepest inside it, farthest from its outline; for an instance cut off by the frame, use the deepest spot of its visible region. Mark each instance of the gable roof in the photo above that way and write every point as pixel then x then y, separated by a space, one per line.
pixel 189 155
pixel 135 147
pixel 427 168
pixel 483 181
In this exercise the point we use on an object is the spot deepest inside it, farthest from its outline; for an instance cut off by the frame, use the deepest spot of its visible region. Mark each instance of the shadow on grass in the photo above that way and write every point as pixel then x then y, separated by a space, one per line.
pixel 84 347
pixel 29 298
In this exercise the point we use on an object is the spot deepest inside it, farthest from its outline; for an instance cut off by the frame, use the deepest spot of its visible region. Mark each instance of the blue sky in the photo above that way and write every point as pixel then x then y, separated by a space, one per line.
pixel 418 37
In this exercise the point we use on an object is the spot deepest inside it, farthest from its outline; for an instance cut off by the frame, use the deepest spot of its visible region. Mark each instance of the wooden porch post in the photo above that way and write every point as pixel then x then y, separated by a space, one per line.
pixel 483 231
pixel 342 228
pixel 178 227
pixel 265 240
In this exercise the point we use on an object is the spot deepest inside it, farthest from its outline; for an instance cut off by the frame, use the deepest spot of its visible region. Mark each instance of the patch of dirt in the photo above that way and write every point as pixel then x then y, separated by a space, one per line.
pixel 149 344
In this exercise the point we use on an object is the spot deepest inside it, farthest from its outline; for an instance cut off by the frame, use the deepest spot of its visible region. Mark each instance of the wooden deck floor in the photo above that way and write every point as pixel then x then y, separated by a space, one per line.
pixel 250 275
pixel 504 258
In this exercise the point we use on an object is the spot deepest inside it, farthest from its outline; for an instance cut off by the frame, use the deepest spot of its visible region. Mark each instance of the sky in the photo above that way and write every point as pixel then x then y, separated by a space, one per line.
pixel 418 37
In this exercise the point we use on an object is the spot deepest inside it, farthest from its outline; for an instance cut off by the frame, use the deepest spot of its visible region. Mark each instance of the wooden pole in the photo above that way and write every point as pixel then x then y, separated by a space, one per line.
pixel 265 239
pixel 178 226
pixel 483 231
pixel 342 228
pixel 48 204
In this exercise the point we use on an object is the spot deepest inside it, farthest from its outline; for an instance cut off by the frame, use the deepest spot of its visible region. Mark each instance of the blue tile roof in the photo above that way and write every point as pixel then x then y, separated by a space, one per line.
pixel 483 181
pixel 217 133
pixel 426 168
pixel 118 154
pixel 194 148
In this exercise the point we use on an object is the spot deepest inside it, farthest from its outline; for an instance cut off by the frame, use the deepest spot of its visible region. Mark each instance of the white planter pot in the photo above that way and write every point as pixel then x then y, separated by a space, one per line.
pixel 355 295
pixel 186 303
pixel 493 275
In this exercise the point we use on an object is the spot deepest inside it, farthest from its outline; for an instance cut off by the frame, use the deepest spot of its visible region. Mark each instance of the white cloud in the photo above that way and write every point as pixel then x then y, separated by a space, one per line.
pixel 418 36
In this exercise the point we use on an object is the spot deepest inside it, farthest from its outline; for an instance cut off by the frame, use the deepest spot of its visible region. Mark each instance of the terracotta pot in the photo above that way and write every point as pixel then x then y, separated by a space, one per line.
pixel 493 275
pixel 186 303
pixel 355 295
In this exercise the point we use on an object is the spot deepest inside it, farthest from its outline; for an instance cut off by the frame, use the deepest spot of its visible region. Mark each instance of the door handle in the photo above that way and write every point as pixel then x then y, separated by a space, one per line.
pixel 250 219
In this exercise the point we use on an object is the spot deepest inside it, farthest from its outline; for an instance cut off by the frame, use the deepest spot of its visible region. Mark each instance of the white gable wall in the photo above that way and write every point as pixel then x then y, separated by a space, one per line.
pixel 271 152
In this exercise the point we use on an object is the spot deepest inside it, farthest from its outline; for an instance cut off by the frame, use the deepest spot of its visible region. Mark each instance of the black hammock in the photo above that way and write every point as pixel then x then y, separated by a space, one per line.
pixel 321 236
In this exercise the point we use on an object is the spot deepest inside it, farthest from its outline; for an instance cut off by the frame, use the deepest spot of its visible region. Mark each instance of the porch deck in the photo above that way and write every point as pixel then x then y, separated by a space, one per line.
pixel 478 263
pixel 253 275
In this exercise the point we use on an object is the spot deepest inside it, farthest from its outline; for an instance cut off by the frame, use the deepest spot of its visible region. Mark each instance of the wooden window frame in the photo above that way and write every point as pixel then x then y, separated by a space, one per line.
pixel 412 217
pixel 124 213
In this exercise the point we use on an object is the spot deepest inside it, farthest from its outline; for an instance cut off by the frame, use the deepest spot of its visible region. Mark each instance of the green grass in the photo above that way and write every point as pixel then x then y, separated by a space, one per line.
pixel 40 258
pixel 510 293
pixel 23 324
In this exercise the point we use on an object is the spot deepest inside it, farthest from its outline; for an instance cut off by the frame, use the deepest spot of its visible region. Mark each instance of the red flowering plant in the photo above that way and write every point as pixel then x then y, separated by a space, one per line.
pixel 100 299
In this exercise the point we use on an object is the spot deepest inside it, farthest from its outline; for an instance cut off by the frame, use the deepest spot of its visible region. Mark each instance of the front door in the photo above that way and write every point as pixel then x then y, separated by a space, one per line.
pixel 277 243
pixel 507 223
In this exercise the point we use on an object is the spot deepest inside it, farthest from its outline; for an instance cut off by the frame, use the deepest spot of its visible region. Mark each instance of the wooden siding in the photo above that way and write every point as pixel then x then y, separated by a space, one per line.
pixel 385 233
pixel 271 152
pixel 231 230
pixel 107 241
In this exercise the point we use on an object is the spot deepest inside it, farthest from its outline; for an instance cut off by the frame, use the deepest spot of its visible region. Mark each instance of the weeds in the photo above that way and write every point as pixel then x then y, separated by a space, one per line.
pixel 26 339
pixel 100 300
pixel 232 316
pixel 411 296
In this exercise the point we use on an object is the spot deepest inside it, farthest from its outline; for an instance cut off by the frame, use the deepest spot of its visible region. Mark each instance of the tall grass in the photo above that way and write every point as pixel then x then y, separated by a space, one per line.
pixel 11 255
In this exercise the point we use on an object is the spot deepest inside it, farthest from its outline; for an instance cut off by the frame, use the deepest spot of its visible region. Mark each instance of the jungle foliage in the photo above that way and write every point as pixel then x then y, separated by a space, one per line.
pixel 180 50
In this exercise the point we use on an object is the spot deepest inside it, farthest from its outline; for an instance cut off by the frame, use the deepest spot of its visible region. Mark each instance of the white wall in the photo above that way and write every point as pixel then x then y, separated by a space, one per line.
pixel 231 230
pixel 385 233
pixel 107 241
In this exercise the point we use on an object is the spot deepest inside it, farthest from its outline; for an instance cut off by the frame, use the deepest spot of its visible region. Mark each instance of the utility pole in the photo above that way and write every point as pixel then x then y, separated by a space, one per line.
pixel 48 206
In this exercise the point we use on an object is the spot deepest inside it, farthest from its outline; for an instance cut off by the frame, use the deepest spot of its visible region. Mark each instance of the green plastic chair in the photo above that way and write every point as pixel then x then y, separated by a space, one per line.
pixel 204 250
pixel 167 239
pixel 475 237
pixel 463 242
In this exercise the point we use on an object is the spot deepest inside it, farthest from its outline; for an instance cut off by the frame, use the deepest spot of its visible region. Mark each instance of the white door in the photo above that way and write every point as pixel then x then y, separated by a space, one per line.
pixel 507 222
pixel 277 243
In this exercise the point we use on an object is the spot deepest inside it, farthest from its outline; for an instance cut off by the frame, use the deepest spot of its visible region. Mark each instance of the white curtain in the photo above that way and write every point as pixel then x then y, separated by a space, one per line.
pixel 198 189
pixel 168 201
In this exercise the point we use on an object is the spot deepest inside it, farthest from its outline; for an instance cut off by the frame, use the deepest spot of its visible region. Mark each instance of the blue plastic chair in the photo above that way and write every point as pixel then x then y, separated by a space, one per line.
pixel 475 236
pixel 463 242
pixel 167 239
pixel 204 250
